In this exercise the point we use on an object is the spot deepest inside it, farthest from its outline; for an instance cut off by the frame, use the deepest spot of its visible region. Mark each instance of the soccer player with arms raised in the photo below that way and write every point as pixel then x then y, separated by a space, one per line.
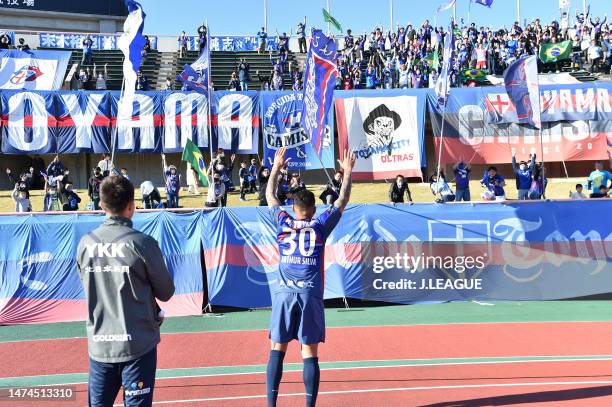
pixel 297 297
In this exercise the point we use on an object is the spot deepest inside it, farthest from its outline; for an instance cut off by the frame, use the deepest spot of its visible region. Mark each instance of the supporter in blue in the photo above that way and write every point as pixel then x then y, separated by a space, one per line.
pixel 225 171
pixel 263 36
pixel 417 79
pixel 202 34
pixel 244 74
pixel 495 184
pixel 538 182
pixel 283 46
pixel 598 178
pixel 182 41
pixel 608 45
pixel 462 181
pixel 371 79
pixel 349 44
pixel 401 37
pixel 142 83
pixel 301 34
pixel 404 78
pixel 523 174
pixel 173 184
pixel 253 176
pixel 87 45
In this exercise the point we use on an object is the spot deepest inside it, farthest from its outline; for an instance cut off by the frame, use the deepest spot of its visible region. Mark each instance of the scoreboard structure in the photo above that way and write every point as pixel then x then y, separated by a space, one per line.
pixel 95 16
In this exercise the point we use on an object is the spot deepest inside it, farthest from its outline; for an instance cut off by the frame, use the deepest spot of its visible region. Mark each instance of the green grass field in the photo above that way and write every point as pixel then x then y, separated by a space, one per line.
pixel 362 193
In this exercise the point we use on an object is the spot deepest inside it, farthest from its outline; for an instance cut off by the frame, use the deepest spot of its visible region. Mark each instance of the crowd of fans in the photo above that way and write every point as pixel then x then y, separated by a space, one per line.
pixel 253 176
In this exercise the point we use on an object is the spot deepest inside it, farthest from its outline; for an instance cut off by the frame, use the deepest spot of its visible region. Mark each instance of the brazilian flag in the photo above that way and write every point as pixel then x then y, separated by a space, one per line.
pixel 329 19
pixel 555 52
pixel 477 75
pixel 193 155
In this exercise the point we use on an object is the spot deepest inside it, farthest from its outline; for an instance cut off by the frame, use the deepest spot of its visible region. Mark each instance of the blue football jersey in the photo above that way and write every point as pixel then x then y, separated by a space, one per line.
pixel 301 245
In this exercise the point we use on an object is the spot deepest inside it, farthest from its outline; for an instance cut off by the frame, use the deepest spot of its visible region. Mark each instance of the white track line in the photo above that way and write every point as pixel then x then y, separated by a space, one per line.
pixel 395 389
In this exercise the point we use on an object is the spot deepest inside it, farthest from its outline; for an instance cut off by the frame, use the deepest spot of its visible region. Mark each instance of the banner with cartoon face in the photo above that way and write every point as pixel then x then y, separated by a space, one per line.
pixel 385 132
pixel 281 113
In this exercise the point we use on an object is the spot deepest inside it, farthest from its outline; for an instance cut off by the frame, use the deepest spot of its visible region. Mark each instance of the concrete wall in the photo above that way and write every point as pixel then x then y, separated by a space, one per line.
pixel 32 20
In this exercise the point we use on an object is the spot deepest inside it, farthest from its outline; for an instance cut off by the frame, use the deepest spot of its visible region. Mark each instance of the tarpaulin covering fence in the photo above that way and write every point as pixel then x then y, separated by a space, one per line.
pixel 401 254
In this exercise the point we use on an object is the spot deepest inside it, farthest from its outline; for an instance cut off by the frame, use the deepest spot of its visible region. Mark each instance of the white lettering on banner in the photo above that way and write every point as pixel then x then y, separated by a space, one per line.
pixel 518 253
pixel 244 124
pixel 186 101
pixel 145 123
pixel 565 101
pixel 16 122
pixel 585 100
pixel 474 130
pixel 82 120
pixel 310 120
pixel 603 101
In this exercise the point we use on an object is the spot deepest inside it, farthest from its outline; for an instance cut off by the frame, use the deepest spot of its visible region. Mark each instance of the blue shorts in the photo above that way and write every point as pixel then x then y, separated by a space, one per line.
pixel 297 316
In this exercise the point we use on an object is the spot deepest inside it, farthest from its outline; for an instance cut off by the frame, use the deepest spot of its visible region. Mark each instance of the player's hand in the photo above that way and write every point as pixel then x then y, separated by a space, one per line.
pixel 347 161
pixel 279 157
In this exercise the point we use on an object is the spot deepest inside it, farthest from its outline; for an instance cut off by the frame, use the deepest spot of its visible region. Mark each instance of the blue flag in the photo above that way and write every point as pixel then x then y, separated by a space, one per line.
pixel 445 6
pixel 442 87
pixel 487 3
pixel 319 84
pixel 521 80
pixel 193 80
pixel 202 64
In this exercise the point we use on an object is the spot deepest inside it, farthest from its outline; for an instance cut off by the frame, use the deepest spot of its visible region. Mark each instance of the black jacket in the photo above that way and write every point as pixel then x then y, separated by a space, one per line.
pixel 396 194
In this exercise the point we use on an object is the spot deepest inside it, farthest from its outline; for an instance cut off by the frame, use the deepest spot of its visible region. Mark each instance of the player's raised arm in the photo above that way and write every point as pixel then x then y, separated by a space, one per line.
pixel 346 165
pixel 279 162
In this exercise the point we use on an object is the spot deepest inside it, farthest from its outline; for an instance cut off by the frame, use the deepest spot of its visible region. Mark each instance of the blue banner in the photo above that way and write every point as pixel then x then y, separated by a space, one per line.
pixel 38 277
pixel 75 122
pixel 233 43
pixel 319 84
pixel 105 42
pixel 522 251
pixel 280 115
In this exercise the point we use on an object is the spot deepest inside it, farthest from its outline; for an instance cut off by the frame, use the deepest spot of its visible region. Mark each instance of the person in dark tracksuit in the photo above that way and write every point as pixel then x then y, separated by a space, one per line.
pixel 123 273
pixel 398 189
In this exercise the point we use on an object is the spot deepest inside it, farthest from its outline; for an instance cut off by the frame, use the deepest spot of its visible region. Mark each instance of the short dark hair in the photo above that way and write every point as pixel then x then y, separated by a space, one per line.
pixel 304 199
pixel 579 186
pixel 116 193
pixel 494 168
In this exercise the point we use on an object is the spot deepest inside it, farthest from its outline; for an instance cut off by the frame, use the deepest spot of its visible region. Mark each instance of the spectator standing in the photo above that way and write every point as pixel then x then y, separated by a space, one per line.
pixel 244 74
pixel 301 34
pixel 22 203
pixel 51 201
pixel 5 41
pixel 262 35
pixel 243 174
pixel 106 165
pixel 234 83
pixel 216 196
pixel 398 189
pixel 101 78
pixel 578 193
pixel 71 199
pixel 151 197
pixel 495 184
pixel 598 178
pixel 93 187
pixel 263 177
pixel 192 180
pixel 142 83
pixel 595 54
pixel 173 184
pixel 55 171
pixel 253 176
pixel 522 173
pixel 83 79
pixel 264 80
pixel 182 40
pixel 22 46
pixel 122 286
pixel 87 45
pixel 169 86
pixel 146 48
pixel 538 182
pixel 462 171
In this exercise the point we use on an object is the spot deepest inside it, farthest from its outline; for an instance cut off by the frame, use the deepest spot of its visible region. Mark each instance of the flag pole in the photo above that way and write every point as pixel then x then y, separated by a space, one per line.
pixel 115 131
pixel 391 12
pixel 208 90
pixel 454 12
pixel 265 10
pixel 518 11
pixel 330 12
pixel 441 145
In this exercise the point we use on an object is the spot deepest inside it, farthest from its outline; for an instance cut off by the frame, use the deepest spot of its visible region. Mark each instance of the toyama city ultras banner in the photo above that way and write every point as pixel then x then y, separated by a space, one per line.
pixel 385 128
pixel 535 250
